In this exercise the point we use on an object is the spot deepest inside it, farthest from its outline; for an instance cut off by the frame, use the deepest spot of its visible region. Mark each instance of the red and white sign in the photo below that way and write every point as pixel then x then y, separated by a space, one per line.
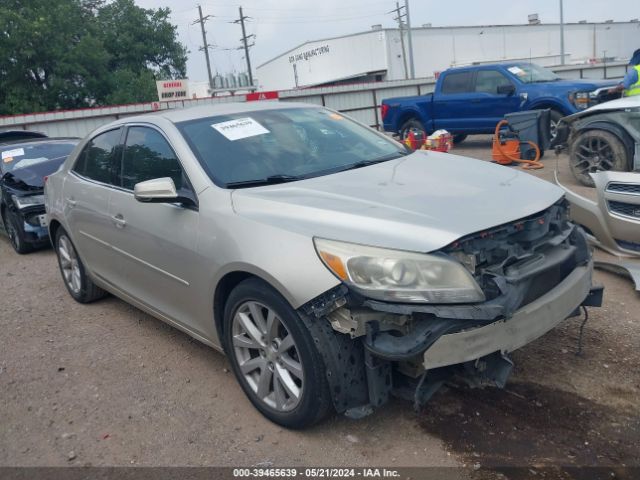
pixel 251 97
pixel 172 89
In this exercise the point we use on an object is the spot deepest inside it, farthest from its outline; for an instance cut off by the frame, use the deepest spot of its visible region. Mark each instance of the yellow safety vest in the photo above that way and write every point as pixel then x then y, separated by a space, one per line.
pixel 635 88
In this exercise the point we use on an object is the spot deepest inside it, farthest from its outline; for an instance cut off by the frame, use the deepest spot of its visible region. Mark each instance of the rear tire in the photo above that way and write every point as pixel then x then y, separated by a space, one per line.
pixel 78 283
pixel 15 231
pixel 273 356
pixel 411 125
pixel 595 151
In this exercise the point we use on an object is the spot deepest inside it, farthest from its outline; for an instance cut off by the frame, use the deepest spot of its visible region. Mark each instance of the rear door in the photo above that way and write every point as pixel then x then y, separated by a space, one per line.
pixel 87 190
pixel 451 103
pixel 155 242
pixel 488 107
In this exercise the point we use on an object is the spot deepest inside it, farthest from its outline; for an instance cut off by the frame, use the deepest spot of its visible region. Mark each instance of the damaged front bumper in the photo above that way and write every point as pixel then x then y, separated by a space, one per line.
pixel 526 324
pixel 535 273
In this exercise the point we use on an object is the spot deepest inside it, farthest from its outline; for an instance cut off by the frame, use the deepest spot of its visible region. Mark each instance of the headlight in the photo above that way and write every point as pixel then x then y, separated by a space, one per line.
pixel 580 100
pixel 396 275
pixel 28 201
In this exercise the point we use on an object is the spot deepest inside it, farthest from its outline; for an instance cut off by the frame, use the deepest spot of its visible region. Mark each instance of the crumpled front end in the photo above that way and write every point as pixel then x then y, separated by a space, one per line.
pixel 534 273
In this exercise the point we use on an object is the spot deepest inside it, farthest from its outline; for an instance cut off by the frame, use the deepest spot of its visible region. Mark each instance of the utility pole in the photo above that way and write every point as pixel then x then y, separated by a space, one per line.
pixel 409 36
pixel 245 43
pixel 205 45
pixel 561 34
pixel 399 16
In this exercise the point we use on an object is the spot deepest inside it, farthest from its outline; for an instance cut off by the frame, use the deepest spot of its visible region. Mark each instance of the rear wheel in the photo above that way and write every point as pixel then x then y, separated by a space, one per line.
pixel 74 275
pixel 411 125
pixel 594 151
pixel 15 231
pixel 273 356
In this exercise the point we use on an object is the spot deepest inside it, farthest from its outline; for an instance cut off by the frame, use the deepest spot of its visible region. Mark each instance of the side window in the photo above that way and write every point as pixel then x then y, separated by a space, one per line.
pixel 457 82
pixel 96 159
pixel 147 155
pixel 488 81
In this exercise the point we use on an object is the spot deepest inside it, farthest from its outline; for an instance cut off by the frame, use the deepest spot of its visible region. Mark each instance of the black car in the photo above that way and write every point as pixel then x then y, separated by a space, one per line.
pixel 23 170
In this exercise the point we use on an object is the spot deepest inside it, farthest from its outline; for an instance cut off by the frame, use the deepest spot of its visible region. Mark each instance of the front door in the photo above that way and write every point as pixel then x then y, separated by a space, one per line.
pixel 156 242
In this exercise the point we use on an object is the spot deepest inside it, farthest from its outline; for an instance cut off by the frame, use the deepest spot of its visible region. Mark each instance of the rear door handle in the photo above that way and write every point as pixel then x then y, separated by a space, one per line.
pixel 118 220
pixel 71 202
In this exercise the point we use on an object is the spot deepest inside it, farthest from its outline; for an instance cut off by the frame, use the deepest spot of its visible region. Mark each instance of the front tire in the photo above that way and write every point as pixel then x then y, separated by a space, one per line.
pixel 595 151
pixel 273 356
pixel 15 231
pixel 78 283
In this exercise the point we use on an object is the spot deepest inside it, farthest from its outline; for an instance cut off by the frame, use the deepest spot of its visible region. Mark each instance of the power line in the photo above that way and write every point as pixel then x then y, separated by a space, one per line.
pixel 205 46
pixel 245 38
pixel 399 17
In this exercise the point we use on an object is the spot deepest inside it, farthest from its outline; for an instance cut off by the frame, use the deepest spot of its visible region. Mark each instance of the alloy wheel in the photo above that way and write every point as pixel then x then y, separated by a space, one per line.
pixel 593 154
pixel 267 356
pixel 69 264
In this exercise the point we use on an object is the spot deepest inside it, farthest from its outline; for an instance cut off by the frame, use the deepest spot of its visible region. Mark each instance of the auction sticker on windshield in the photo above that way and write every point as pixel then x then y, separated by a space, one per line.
pixel 7 156
pixel 240 128
pixel 517 71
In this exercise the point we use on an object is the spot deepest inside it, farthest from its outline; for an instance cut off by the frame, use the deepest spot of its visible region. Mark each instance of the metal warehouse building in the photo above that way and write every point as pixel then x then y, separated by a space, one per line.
pixel 376 55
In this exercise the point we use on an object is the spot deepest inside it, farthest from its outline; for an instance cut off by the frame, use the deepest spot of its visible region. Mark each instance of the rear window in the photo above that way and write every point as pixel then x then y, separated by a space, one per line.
pixel 300 142
pixel 459 82
pixel 30 155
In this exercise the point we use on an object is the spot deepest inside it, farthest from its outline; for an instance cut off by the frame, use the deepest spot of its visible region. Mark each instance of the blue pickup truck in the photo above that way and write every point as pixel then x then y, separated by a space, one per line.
pixel 472 100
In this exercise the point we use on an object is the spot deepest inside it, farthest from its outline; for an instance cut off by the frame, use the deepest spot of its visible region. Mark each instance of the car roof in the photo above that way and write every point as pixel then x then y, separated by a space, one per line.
pixel 489 65
pixel 9 136
pixel 38 141
pixel 203 111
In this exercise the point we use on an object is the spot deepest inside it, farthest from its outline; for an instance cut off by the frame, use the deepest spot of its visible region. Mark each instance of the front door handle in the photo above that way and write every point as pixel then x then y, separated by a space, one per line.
pixel 118 220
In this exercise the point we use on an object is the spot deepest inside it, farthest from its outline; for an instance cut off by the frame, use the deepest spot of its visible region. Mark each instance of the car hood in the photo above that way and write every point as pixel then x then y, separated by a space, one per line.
pixel 624 103
pixel 579 84
pixel 421 202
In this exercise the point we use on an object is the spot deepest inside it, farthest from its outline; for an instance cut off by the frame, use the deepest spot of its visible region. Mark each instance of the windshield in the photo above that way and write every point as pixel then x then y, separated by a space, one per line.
pixel 278 145
pixel 532 73
pixel 36 156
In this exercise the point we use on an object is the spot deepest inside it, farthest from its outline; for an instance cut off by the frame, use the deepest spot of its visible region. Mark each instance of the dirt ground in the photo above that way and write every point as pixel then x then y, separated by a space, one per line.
pixel 105 384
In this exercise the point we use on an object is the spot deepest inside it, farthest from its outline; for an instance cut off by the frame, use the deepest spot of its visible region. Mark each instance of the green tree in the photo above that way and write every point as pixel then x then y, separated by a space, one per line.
pixel 79 53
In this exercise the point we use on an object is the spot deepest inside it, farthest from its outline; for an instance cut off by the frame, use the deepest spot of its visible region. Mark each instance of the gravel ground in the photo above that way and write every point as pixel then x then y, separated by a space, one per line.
pixel 105 384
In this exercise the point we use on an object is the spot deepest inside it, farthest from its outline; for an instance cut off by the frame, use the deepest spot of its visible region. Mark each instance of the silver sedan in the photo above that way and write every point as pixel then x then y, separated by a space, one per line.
pixel 331 264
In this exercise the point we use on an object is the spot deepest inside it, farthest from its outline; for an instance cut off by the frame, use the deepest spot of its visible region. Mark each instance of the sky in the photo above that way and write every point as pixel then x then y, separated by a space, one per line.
pixel 280 25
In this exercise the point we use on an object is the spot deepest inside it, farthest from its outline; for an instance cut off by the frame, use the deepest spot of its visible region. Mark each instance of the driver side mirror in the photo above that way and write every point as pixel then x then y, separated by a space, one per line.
pixel 508 89
pixel 159 190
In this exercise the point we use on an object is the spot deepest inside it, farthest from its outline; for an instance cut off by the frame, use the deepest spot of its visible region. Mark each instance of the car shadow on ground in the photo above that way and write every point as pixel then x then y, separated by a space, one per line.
pixel 537 427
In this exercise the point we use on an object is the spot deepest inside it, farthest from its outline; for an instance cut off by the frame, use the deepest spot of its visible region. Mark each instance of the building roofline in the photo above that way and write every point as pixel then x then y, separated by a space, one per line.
pixel 434 28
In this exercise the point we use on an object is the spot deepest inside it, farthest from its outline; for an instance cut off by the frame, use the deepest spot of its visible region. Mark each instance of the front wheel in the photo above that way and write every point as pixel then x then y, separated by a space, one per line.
pixel 554 120
pixel 15 230
pixel 273 356
pixel 595 151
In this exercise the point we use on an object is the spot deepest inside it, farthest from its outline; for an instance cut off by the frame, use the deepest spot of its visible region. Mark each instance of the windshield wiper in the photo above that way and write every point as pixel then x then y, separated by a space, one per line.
pixel 366 163
pixel 270 180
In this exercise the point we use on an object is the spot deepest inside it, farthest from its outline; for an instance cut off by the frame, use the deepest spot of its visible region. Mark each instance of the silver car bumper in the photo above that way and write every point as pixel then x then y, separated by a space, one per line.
pixel 526 324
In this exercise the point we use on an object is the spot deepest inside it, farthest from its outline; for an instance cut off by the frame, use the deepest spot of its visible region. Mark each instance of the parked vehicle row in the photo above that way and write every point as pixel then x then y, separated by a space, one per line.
pixel 333 266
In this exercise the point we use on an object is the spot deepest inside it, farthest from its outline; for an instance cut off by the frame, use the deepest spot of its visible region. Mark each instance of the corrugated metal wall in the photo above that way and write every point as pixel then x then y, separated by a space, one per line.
pixel 360 101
